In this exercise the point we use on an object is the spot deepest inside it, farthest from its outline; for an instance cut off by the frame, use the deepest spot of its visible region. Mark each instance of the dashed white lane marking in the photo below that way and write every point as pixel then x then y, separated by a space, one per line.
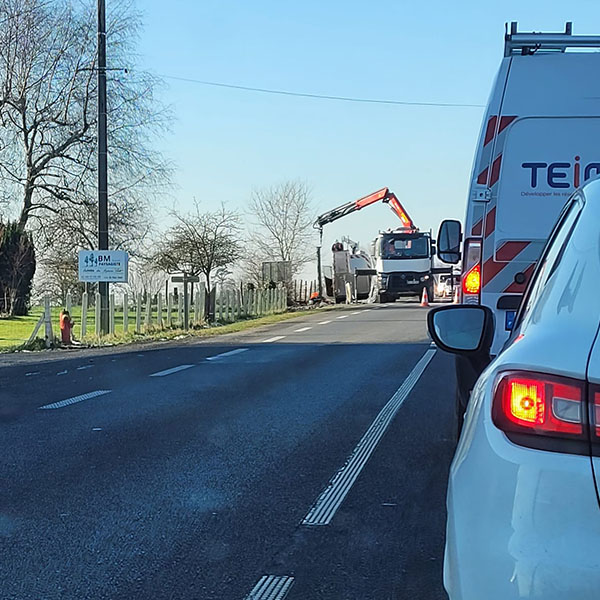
pixel 324 322
pixel 340 484
pixel 63 372
pixel 343 317
pixel 225 354
pixel 32 373
pixel 302 329
pixel 83 367
pixel 356 313
pixel 273 339
pixel 75 399
pixel 271 587
pixel 172 370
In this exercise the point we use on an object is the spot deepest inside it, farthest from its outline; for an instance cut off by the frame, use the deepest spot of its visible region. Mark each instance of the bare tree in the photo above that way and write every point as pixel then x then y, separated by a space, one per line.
pixel 58 276
pixel 283 217
pixel 200 243
pixel 145 276
pixel 48 106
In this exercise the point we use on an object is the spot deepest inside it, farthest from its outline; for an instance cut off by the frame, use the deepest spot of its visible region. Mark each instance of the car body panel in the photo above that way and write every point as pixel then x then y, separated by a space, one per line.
pixel 525 522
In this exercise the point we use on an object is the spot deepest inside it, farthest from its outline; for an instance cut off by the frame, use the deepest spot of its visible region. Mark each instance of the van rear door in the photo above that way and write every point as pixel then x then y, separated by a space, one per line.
pixel 544 160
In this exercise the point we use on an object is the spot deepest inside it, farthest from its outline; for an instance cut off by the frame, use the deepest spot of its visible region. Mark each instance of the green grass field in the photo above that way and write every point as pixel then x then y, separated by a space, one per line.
pixel 15 331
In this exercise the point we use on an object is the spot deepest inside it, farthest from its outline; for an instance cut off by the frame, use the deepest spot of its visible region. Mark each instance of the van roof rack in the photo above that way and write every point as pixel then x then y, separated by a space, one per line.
pixel 527 43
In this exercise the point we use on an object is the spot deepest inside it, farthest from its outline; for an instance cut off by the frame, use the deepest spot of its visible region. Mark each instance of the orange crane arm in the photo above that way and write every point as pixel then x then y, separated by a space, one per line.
pixel 383 195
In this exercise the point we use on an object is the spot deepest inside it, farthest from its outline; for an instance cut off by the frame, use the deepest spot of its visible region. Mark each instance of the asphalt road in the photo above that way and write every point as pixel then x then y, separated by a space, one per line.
pixel 200 469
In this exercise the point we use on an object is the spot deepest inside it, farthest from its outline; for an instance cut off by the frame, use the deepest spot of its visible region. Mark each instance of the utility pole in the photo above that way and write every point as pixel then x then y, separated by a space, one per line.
pixel 102 162
pixel 319 267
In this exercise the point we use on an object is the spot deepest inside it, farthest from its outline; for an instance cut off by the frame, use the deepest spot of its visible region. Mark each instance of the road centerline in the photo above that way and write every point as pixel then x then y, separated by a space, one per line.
pixel 226 354
pixel 273 339
pixel 171 371
pixel 326 505
pixel 75 399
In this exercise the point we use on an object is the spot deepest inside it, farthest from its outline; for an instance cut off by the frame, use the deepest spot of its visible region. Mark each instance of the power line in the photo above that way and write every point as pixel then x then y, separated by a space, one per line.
pixel 321 96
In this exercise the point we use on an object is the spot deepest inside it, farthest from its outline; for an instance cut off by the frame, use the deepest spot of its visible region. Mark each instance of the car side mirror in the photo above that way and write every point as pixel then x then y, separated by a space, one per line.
pixel 448 241
pixel 463 329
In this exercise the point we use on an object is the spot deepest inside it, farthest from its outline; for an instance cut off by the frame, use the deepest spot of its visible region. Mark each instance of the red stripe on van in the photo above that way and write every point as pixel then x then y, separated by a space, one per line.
pixel 496 170
pixel 476 229
pixel 490 222
pixel 509 250
pixel 490 130
pixel 505 122
pixel 520 287
pixel 506 252
pixel 491 269
pixel 482 177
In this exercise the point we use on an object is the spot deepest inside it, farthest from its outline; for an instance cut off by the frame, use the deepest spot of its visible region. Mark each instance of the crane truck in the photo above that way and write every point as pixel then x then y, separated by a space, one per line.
pixel 402 257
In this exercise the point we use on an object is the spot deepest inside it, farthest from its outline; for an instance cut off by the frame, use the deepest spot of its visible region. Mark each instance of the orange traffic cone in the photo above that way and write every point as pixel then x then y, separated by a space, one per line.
pixel 424 298
pixel 456 297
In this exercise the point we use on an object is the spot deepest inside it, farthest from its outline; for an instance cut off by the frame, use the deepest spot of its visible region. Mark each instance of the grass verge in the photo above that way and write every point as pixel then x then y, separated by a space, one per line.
pixel 156 335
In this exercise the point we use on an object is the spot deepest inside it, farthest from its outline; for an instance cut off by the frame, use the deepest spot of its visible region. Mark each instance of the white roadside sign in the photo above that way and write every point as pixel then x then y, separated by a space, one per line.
pixel 103 265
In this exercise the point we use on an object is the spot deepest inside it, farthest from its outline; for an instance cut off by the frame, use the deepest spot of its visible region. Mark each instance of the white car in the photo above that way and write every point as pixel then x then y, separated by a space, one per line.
pixel 523 496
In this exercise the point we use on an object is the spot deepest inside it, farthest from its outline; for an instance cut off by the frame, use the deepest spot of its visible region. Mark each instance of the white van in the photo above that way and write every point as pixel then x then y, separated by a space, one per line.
pixel 540 139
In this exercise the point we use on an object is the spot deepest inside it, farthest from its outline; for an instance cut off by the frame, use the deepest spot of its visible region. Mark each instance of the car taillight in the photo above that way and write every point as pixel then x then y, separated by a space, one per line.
pixel 539 404
pixel 595 395
pixel 471 280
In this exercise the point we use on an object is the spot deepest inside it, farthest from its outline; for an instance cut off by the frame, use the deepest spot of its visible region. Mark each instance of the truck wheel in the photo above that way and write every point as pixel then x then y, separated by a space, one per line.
pixel 383 299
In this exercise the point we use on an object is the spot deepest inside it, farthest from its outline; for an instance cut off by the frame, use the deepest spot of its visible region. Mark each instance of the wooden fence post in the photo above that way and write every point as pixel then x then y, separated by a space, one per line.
pixel 48 321
pixel 148 319
pixel 180 311
pixel 170 310
pixel 138 314
pixel 159 310
pixel 125 312
pixel 97 315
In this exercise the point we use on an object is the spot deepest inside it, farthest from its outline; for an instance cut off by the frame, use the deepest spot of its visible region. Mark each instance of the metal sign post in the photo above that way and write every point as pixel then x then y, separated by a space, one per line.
pixel 185 279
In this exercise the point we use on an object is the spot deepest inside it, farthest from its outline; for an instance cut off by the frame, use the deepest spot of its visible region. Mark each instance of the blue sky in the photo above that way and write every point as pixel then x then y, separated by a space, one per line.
pixel 227 142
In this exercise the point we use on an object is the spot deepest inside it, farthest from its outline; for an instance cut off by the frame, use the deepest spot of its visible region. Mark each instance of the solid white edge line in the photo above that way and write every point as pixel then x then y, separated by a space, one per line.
pixel 226 354
pixel 171 370
pixel 273 339
pixel 75 399
pixel 331 498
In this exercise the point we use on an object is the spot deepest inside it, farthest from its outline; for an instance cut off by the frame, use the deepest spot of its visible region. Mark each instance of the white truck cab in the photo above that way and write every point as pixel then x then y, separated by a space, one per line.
pixel 538 142
pixel 403 261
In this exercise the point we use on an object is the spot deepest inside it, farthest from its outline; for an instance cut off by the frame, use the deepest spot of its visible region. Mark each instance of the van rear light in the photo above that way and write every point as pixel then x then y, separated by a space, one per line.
pixel 539 404
pixel 471 280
